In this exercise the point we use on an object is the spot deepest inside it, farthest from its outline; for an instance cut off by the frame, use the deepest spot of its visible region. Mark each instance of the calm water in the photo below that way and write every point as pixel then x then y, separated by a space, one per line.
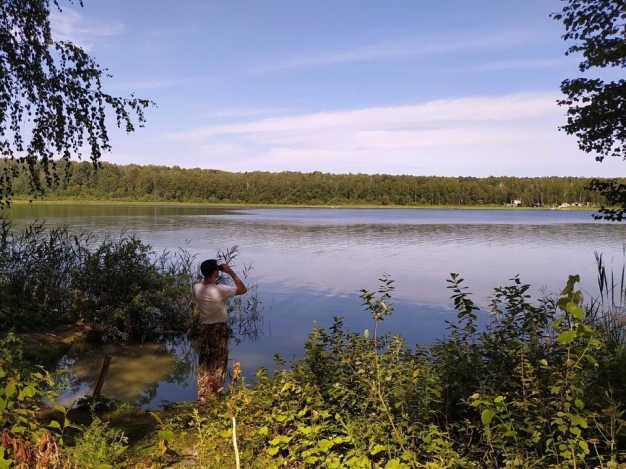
pixel 310 265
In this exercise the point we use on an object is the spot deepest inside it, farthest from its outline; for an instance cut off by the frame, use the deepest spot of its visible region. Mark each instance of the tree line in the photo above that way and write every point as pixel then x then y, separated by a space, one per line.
pixel 135 183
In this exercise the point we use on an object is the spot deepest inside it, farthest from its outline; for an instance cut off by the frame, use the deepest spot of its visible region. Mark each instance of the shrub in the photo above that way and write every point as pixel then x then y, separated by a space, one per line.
pixel 97 445
pixel 119 286
pixel 126 295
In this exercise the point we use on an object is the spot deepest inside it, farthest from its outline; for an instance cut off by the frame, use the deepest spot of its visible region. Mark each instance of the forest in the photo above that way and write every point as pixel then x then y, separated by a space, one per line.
pixel 135 183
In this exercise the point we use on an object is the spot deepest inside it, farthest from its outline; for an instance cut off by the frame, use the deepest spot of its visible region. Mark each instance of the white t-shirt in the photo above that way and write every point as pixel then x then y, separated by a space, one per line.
pixel 212 302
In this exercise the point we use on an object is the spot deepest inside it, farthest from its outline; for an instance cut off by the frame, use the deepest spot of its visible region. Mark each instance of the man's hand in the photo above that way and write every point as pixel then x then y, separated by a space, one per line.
pixel 241 288
pixel 226 269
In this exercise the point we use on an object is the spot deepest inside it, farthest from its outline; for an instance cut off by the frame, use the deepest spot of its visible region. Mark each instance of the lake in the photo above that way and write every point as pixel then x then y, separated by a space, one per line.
pixel 311 263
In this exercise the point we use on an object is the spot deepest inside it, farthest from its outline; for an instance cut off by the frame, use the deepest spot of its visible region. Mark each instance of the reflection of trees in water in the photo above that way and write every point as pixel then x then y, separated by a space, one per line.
pixel 136 371
pixel 186 363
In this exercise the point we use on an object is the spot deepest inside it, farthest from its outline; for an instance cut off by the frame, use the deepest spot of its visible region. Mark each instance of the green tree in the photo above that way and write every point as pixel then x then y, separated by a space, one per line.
pixel 596 108
pixel 51 98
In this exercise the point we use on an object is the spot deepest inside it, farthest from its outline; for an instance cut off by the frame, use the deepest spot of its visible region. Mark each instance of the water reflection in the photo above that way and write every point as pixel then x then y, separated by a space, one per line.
pixel 144 375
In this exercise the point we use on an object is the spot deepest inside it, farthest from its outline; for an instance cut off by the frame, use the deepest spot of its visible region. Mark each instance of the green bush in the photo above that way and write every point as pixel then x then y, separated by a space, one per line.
pixel 125 294
pixel 118 286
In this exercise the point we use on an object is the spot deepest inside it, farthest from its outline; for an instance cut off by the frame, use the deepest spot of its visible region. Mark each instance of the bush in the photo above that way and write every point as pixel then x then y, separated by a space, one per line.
pixel 126 295
pixel 97 445
pixel 119 286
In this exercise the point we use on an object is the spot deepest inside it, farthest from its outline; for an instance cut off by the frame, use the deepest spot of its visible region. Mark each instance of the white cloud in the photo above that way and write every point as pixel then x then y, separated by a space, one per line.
pixel 242 113
pixel 224 149
pixel 479 136
pixel 440 112
pixel 397 49
pixel 70 25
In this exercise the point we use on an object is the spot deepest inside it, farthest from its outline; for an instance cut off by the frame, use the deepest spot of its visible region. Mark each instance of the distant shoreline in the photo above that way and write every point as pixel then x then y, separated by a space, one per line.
pixel 227 205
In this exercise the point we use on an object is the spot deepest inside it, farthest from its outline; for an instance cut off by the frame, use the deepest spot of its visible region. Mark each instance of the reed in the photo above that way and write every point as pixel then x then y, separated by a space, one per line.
pixel 607 311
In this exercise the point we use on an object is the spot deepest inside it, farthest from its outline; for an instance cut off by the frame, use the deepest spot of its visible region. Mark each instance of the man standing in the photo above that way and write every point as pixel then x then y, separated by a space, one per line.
pixel 214 333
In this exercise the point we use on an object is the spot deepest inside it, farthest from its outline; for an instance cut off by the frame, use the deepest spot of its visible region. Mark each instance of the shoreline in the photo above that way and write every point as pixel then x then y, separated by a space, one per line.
pixel 23 202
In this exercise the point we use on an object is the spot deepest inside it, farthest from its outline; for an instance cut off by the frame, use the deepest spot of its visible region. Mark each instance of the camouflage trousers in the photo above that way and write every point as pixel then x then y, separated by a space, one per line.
pixel 212 359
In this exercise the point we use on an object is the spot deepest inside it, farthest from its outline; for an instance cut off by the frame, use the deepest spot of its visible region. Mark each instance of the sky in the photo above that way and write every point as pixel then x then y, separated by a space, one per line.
pixel 419 87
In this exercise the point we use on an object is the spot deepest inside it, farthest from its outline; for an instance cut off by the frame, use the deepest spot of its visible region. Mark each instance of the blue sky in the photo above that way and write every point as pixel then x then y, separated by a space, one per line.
pixel 422 87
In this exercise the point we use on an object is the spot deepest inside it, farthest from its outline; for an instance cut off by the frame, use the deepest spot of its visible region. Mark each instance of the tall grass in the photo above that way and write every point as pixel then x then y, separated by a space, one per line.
pixel 609 308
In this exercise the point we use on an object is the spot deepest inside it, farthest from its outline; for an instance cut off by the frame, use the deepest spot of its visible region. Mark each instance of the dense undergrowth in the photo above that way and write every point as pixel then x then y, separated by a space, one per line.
pixel 541 385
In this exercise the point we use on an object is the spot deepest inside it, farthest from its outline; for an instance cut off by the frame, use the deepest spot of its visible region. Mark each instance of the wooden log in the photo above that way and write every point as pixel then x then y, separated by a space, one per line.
pixel 103 375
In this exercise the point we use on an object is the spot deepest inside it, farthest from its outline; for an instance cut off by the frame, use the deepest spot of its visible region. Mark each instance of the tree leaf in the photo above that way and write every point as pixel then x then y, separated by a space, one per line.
pixel 486 416
pixel 566 337
pixel 166 435
pixel 9 390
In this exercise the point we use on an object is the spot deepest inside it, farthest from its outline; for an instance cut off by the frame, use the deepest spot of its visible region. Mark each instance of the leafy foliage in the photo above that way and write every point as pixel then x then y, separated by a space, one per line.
pixel 25 441
pixel 51 99
pixel 594 114
pixel 117 286
pixel 595 107
pixel 97 445
pixel 615 194
pixel 522 391
pixel 122 292
pixel 531 388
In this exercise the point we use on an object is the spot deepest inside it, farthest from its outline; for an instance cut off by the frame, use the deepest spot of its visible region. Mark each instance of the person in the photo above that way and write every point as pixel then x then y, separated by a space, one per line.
pixel 212 299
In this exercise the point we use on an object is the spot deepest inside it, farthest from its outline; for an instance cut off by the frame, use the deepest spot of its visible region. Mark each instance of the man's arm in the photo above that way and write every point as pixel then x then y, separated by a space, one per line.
pixel 241 288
